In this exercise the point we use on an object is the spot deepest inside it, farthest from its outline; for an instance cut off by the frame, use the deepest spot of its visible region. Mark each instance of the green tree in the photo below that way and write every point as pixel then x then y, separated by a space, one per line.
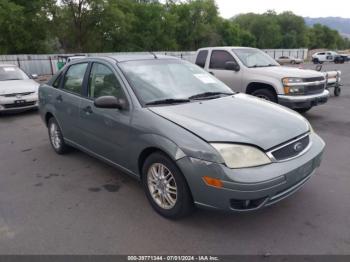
pixel 24 26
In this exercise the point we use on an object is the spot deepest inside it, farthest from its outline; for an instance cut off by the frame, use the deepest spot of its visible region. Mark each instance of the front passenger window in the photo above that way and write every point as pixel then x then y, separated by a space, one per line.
pixel 73 79
pixel 103 82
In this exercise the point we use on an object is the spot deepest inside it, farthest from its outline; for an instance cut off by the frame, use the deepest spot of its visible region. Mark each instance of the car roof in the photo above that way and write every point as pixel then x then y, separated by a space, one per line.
pixel 226 47
pixel 124 58
pixel 7 65
pixel 136 57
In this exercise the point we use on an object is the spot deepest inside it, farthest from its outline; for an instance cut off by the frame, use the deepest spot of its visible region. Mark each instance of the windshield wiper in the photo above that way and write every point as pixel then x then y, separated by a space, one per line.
pixel 209 95
pixel 168 101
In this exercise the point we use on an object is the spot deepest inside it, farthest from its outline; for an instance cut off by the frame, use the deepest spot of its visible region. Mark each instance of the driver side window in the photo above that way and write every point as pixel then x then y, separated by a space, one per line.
pixel 103 82
pixel 219 58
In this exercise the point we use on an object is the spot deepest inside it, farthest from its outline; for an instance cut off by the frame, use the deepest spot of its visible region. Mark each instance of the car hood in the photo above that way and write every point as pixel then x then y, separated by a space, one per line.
pixel 18 86
pixel 285 71
pixel 239 118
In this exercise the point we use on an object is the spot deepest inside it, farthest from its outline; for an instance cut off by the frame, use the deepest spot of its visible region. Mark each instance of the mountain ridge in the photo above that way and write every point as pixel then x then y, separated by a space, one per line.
pixel 342 25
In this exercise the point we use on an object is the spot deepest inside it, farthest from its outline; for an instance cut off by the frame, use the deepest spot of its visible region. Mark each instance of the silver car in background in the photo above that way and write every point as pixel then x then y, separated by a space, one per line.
pixel 18 91
pixel 289 60
pixel 185 135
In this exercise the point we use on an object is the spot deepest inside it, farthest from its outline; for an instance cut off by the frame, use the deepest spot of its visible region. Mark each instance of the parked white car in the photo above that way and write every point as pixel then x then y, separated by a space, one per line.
pixel 18 91
pixel 328 56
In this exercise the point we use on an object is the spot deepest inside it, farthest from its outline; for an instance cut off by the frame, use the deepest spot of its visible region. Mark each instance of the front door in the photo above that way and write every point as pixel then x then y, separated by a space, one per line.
pixel 217 65
pixel 106 131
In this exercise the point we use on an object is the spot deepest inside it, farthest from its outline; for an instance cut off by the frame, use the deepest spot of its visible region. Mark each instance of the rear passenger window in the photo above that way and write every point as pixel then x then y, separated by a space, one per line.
pixel 73 79
pixel 201 58
pixel 219 58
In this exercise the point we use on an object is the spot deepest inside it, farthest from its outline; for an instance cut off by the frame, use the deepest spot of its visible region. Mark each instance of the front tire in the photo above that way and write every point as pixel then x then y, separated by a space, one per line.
pixel 56 137
pixel 265 94
pixel 165 187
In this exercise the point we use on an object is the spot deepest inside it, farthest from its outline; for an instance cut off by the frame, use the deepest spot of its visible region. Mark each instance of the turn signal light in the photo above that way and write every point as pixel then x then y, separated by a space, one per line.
pixel 212 181
pixel 286 89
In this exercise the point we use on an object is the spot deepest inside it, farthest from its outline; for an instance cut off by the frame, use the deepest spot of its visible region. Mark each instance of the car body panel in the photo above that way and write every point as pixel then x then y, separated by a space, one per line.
pixel 235 113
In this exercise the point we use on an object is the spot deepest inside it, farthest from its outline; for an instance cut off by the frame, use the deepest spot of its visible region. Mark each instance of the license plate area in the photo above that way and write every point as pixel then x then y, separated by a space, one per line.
pixel 19 102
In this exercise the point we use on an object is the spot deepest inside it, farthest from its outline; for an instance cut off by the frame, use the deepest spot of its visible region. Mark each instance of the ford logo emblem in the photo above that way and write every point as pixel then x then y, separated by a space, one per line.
pixel 298 147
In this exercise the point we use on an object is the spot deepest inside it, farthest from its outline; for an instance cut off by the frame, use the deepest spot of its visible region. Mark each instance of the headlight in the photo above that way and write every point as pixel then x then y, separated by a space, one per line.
pixel 293 86
pixel 239 156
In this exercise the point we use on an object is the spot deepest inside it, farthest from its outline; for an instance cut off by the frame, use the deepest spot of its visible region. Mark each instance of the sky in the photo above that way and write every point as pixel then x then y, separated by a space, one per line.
pixel 311 8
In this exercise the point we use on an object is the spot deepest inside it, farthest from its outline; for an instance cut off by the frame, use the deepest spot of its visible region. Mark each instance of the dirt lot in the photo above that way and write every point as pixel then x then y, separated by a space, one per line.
pixel 74 204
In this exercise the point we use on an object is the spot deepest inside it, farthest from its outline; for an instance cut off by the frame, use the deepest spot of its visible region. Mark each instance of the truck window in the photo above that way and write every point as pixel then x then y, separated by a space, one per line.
pixel 201 58
pixel 219 58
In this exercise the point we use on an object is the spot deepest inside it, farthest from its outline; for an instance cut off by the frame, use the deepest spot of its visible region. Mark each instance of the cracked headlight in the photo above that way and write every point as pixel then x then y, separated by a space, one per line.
pixel 240 156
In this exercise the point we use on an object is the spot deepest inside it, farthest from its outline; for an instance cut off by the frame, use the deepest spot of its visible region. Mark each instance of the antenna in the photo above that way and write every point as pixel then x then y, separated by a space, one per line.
pixel 154 55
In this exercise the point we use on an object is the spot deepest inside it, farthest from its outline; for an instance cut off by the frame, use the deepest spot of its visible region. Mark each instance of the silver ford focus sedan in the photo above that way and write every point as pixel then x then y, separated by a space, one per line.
pixel 185 135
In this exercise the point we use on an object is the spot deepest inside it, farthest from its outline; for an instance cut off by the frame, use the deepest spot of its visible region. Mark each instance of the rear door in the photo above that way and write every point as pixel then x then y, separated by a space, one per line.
pixel 67 99
pixel 216 67
pixel 106 130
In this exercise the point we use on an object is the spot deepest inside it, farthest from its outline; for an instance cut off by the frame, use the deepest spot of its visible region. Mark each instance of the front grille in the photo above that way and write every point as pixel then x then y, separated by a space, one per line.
pixel 314 79
pixel 292 149
pixel 314 89
pixel 19 105
pixel 20 94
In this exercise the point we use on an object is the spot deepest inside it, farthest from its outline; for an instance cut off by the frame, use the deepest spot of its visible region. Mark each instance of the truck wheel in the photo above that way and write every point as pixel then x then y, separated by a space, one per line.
pixel 337 91
pixel 265 94
pixel 303 110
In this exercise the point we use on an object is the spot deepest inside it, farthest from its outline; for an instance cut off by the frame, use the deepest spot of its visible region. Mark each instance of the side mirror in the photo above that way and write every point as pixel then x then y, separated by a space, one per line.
pixel 110 102
pixel 34 76
pixel 233 66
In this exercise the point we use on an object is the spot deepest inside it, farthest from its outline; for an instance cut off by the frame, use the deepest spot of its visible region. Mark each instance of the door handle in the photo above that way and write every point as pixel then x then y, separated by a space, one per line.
pixel 59 98
pixel 88 110
pixel 212 73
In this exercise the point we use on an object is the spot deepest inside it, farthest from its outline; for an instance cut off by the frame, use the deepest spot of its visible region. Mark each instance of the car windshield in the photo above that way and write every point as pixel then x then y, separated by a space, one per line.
pixel 8 73
pixel 251 57
pixel 170 80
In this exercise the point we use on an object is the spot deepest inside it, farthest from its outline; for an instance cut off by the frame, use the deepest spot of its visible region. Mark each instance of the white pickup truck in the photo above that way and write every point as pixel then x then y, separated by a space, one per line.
pixel 252 71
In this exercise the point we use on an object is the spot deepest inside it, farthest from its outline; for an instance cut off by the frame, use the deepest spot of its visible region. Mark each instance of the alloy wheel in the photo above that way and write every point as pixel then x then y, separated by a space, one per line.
pixel 162 186
pixel 55 136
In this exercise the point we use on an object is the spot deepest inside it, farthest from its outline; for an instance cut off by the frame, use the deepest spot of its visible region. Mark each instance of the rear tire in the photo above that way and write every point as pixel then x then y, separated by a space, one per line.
pixel 265 94
pixel 166 187
pixel 56 137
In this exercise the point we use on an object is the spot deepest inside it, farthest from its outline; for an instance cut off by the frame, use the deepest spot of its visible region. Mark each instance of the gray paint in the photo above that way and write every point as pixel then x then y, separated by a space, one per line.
pixel 183 132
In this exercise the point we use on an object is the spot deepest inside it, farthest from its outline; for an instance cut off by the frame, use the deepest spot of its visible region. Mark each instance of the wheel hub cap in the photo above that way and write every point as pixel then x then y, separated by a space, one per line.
pixel 162 186
pixel 55 136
